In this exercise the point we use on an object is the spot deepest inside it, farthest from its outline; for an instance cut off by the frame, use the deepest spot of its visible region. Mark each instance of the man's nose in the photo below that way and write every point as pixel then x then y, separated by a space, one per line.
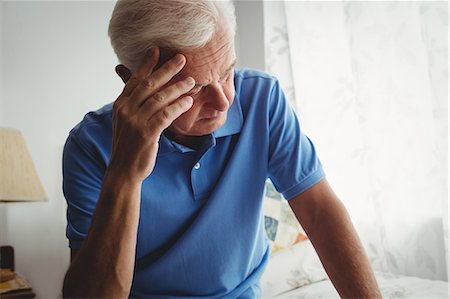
pixel 216 98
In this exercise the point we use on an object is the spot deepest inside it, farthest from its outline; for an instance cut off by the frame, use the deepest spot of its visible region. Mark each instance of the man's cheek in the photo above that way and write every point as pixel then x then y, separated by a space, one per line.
pixel 230 93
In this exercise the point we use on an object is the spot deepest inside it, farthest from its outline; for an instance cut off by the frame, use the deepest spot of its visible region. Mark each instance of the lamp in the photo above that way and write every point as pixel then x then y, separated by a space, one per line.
pixel 19 182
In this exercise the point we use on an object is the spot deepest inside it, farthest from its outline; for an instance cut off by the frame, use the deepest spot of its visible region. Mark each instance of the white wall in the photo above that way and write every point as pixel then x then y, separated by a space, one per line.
pixel 3 239
pixel 58 65
pixel 250 34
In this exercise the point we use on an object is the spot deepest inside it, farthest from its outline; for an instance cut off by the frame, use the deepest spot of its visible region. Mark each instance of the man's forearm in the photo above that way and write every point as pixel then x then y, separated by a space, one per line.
pixel 328 226
pixel 103 267
pixel 342 254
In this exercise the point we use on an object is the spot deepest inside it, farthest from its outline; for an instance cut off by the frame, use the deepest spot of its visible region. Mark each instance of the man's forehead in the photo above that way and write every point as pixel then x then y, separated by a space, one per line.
pixel 218 66
pixel 219 53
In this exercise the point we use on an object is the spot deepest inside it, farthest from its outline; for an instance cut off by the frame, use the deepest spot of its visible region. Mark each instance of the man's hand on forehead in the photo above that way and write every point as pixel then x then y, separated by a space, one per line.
pixel 165 55
pixel 149 103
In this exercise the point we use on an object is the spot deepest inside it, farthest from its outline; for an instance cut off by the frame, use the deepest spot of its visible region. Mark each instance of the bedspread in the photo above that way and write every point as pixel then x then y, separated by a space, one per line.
pixel 391 286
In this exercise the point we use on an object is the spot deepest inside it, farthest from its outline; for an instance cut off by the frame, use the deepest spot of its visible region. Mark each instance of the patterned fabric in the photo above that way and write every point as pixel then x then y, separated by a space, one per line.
pixel 282 227
pixel 292 268
pixel 391 286
pixel 370 80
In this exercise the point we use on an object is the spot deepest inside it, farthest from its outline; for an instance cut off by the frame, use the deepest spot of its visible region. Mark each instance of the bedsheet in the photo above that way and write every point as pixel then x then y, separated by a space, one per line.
pixel 391 286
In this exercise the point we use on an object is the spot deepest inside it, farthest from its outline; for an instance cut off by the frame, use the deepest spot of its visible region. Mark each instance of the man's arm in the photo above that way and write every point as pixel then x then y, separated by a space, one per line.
pixel 103 266
pixel 328 226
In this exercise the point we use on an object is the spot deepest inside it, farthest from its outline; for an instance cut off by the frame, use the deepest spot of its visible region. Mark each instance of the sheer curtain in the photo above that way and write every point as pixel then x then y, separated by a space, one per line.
pixel 369 81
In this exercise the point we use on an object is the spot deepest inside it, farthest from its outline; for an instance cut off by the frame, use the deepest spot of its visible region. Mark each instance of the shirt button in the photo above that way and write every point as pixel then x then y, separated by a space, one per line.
pixel 197 166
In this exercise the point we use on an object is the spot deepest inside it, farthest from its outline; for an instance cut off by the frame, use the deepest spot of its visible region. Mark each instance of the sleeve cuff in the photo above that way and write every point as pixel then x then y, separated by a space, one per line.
pixel 305 184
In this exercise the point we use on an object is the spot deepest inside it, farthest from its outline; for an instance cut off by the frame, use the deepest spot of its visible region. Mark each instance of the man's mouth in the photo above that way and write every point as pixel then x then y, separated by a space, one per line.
pixel 212 116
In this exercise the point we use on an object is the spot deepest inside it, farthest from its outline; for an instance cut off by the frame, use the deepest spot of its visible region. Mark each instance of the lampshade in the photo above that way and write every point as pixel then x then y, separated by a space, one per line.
pixel 18 178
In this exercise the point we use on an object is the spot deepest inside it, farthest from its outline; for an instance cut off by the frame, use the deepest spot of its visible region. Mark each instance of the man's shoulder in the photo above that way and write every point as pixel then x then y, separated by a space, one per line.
pixel 95 125
pixel 252 73
pixel 253 81
pixel 253 88
pixel 94 118
pixel 248 75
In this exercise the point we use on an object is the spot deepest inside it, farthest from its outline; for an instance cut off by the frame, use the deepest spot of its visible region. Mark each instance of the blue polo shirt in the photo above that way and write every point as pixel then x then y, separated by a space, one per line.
pixel 201 228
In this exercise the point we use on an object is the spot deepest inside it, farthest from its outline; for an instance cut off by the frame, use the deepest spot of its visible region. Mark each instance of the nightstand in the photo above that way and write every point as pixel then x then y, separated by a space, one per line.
pixel 12 285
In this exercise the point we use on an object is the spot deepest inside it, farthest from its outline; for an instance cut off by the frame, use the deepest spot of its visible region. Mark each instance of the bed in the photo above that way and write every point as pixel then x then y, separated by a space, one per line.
pixel 391 286
pixel 297 273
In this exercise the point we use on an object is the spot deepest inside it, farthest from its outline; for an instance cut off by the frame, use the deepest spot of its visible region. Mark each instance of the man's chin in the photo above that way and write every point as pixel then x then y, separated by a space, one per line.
pixel 202 127
pixel 213 124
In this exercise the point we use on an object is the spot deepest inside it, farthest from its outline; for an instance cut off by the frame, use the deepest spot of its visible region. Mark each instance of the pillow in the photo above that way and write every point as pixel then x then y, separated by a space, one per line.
pixel 282 227
pixel 293 261
pixel 292 268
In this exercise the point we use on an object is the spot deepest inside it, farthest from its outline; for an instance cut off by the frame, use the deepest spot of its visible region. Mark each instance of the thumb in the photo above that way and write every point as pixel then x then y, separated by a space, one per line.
pixel 123 72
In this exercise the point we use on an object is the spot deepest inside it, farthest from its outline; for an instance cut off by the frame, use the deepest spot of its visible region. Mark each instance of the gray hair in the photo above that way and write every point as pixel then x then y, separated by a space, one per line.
pixel 139 25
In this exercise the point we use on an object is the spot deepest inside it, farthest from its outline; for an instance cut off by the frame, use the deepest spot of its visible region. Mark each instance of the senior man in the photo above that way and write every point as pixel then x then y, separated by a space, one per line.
pixel 165 185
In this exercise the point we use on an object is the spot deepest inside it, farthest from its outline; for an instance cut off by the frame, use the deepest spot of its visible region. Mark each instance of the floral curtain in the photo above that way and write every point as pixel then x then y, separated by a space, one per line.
pixel 369 82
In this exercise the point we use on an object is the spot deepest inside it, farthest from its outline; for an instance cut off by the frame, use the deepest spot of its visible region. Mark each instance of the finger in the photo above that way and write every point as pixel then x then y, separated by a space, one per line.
pixel 165 117
pixel 158 79
pixel 150 61
pixel 165 97
pixel 123 72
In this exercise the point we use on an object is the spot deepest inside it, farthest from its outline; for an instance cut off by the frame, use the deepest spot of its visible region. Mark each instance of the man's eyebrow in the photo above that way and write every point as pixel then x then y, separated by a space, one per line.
pixel 224 73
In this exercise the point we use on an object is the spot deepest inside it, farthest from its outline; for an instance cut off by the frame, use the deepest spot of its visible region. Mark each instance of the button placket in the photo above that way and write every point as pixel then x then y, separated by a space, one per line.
pixel 199 178
pixel 196 180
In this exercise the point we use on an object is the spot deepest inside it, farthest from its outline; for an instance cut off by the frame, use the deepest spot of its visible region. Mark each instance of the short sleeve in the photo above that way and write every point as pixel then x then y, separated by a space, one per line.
pixel 293 162
pixel 82 180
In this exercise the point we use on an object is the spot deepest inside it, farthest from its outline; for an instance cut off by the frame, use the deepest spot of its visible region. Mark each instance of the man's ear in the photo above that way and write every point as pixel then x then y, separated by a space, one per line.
pixel 123 72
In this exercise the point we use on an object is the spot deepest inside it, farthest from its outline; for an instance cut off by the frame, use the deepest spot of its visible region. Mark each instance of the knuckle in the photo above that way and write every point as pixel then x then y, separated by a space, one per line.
pixel 122 111
pixel 165 115
pixel 162 120
pixel 148 83
pixel 159 97
pixel 154 126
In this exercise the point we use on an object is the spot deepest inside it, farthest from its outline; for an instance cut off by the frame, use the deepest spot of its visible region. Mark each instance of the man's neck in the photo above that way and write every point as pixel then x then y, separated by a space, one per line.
pixel 193 142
